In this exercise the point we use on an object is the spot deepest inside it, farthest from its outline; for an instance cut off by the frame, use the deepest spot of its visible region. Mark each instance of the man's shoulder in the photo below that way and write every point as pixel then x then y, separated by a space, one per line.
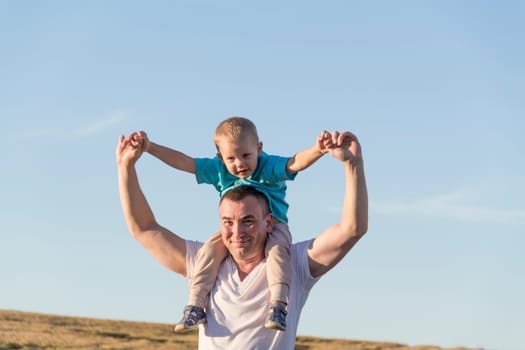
pixel 300 264
pixel 192 248
pixel 299 250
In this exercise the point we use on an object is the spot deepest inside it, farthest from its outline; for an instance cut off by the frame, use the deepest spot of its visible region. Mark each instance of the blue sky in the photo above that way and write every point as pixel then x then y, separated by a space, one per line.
pixel 433 89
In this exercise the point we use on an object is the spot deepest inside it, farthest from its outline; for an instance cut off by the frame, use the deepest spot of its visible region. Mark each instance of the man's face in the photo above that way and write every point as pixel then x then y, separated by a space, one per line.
pixel 244 228
pixel 240 156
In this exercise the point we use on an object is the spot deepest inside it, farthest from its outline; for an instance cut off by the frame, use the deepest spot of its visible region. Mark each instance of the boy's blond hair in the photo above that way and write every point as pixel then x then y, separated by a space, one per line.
pixel 235 128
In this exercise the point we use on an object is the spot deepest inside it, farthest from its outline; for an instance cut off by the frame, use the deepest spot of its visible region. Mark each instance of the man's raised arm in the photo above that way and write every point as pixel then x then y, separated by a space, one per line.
pixel 336 241
pixel 168 248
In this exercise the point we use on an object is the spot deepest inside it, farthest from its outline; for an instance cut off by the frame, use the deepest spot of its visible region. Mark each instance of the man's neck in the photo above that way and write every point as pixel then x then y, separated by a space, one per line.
pixel 244 267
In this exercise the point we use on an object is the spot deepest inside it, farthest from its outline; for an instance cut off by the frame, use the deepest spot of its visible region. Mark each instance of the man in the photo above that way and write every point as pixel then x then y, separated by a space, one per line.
pixel 239 299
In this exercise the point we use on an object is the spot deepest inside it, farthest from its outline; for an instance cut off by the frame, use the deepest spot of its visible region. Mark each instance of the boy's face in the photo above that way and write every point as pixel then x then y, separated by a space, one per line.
pixel 240 155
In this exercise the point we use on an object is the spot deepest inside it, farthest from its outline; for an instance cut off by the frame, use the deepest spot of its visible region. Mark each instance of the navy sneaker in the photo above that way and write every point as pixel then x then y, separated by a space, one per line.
pixel 276 318
pixel 193 317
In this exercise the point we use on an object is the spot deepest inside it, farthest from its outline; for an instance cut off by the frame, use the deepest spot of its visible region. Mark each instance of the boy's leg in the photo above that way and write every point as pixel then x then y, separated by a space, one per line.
pixel 207 264
pixel 278 274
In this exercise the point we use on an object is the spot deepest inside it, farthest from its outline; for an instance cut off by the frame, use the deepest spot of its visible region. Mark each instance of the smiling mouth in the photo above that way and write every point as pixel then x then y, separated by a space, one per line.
pixel 239 242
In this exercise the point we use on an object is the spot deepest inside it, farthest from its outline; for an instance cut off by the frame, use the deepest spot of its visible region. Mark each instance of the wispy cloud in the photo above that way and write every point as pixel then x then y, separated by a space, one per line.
pixel 99 125
pixel 461 205
pixel 71 129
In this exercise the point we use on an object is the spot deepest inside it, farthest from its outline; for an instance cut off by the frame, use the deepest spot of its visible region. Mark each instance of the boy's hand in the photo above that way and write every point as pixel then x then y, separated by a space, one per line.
pixel 139 139
pixel 324 142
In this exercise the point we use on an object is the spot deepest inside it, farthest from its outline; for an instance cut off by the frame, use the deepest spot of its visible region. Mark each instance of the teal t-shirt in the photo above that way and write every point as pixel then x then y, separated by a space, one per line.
pixel 269 177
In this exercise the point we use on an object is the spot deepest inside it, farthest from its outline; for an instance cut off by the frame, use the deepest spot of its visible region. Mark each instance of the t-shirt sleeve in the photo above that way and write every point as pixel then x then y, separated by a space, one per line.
pixel 207 170
pixel 277 169
pixel 289 176
pixel 192 248
pixel 302 267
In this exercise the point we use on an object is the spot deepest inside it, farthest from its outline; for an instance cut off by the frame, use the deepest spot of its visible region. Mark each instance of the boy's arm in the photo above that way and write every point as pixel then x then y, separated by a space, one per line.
pixel 309 156
pixel 173 158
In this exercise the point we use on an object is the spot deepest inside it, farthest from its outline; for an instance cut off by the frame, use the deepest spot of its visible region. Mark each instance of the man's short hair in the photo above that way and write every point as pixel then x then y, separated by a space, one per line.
pixel 237 194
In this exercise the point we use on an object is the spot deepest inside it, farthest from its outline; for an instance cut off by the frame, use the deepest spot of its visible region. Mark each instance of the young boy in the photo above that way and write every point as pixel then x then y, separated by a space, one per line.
pixel 241 161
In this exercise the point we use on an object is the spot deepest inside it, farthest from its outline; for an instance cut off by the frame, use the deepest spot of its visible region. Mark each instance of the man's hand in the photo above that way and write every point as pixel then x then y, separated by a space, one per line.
pixel 128 150
pixel 343 146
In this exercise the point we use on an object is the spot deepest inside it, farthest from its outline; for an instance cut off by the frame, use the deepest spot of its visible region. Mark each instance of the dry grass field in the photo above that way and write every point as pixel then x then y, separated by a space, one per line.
pixel 34 331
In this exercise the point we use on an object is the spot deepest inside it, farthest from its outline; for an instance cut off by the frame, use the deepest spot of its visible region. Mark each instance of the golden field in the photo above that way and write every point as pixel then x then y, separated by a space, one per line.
pixel 35 331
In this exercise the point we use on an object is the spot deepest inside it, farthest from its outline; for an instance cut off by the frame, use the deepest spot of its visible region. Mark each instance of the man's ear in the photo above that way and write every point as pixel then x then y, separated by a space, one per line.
pixel 269 222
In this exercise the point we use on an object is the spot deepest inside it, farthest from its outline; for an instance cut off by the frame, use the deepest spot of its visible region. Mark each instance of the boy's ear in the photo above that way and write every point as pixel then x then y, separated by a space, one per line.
pixel 219 155
pixel 259 149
